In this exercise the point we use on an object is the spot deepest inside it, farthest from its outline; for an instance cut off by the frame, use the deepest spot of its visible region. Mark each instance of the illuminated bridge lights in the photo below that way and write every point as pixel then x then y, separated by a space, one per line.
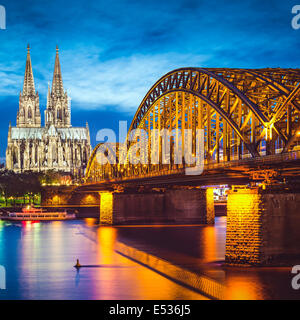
pixel 245 114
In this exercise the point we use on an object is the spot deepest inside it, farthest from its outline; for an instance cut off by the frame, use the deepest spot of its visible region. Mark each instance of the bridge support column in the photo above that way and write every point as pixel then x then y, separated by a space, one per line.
pixel 106 207
pixel 135 207
pixel 191 205
pixel 262 227
pixel 181 206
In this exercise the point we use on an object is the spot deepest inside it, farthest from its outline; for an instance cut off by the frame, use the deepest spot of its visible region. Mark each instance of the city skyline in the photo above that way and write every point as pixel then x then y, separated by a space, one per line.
pixel 150 151
pixel 111 60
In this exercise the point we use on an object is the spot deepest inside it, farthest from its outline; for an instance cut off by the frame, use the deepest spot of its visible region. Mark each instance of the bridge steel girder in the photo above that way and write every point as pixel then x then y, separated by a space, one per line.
pixel 249 112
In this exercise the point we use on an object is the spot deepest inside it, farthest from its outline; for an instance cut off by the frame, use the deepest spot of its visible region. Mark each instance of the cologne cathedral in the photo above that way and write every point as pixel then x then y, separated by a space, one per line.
pixel 56 145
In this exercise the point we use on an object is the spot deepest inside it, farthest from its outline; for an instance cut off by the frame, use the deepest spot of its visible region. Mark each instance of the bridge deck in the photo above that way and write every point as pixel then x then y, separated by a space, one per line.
pixel 286 165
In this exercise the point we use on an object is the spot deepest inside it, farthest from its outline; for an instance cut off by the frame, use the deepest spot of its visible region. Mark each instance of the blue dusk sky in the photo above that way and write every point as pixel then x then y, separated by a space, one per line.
pixel 113 51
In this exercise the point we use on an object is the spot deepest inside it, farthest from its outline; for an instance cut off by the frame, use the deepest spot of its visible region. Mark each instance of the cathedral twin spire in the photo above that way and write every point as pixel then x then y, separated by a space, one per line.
pixel 57 84
pixel 57 112
pixel 29 106
pixel 28 87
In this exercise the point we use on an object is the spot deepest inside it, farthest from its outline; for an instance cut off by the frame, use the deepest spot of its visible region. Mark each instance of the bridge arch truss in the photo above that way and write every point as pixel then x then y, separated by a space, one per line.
pixel 245 113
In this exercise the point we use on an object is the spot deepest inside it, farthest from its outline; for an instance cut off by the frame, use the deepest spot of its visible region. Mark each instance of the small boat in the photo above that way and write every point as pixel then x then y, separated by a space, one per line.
pixel 30 213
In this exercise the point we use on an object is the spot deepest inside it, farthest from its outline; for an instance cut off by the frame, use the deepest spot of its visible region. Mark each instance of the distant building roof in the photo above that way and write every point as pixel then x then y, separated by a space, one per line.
pixel 40 133
pixel 73 133
pixel 27 133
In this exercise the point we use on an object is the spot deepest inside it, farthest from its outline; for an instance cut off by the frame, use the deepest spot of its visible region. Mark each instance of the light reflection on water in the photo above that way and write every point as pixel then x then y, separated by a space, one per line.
pixel 39 259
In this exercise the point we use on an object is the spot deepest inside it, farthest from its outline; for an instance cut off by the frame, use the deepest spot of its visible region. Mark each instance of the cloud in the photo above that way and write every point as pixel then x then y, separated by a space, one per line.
pixel 10 82
pixel 119 83
pixel 112 53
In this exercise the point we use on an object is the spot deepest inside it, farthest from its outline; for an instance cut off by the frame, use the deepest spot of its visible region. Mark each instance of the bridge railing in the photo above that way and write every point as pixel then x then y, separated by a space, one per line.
pixel 269 159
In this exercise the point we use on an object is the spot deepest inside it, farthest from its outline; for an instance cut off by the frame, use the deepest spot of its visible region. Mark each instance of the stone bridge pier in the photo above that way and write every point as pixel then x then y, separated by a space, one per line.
pixel 182 206
pixel 263 227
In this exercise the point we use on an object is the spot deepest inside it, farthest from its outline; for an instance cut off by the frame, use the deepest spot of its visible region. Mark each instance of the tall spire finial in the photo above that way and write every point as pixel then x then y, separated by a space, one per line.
pixel 28 87
pixel 57 84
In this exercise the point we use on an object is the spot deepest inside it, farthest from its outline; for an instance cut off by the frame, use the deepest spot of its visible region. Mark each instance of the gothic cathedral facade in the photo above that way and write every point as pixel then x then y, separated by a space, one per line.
pixel 56 145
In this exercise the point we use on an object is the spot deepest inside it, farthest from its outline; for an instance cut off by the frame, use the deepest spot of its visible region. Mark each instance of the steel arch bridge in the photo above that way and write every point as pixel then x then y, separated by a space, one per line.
pixel 245 113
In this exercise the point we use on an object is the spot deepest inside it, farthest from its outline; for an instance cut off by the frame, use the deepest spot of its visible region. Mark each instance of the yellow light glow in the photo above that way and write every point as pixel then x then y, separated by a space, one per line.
pixel 240 287
pixel 56 199
pixel 89 199
pixel 210 206
pixel 244 201
pixel 90 221
pixel 209 252
pixel 106 207
pixel 244 214
pixel 191 279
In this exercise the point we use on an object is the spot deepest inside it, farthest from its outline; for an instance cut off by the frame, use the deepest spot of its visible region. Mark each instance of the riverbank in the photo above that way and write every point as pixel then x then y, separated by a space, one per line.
pixel 92 211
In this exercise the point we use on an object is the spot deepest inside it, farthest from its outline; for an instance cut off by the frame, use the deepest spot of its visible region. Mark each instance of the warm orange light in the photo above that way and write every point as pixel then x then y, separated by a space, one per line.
pixel 90 221
pixel 210 205
pixel 240 287
pixel 89 199
pixel 106 238
pixel 244 214
pixel 106 207
pixel 202 283
pixel 209 252
pixel 56 200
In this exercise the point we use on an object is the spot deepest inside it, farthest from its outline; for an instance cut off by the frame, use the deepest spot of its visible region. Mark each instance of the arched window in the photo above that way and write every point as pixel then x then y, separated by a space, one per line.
pixel 29 113
pixel 84 156
pixel 54 153
pixel 36 155
pixel 15 156
pixel 59 114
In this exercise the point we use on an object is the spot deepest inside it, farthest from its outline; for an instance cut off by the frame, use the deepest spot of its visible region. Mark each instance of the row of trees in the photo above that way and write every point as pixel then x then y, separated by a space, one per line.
pixel 25 185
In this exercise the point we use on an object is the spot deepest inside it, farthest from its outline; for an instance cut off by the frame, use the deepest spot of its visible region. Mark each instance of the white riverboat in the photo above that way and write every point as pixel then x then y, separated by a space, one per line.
pixel 37 214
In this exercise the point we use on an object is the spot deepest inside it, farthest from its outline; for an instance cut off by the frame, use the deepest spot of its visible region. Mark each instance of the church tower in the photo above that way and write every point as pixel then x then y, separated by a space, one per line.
pixel 55 146
pixel 57 112
pixel 29 106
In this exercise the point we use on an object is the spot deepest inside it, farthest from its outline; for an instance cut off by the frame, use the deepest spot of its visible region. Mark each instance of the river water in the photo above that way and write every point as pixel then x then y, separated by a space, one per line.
pixel 39 257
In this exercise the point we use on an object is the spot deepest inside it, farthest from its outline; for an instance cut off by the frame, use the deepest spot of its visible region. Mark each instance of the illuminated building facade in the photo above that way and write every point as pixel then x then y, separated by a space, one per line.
pixel 57 145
